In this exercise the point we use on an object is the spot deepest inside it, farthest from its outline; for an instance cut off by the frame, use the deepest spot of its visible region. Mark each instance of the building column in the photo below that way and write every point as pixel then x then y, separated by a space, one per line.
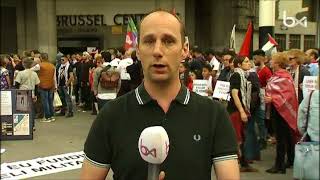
pixel 266 20
pixel 47 30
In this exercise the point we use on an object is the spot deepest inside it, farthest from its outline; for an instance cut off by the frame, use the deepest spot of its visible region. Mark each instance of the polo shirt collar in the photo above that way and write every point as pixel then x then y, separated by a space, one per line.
pixel 143 97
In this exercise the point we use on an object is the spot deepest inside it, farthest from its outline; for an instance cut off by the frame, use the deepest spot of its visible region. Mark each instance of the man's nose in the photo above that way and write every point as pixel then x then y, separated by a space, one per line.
pixel 157 50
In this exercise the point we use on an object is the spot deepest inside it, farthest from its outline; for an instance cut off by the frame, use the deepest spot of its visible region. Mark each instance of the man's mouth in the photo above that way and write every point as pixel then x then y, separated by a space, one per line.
pixel 158 65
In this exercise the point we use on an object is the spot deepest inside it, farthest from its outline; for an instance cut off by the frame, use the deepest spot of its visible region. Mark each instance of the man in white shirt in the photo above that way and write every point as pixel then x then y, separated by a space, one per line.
pixel 213 61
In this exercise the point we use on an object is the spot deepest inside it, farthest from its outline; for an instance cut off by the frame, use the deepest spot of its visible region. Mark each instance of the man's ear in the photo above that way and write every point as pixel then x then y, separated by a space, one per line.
pixel 185 50
pixel 138 52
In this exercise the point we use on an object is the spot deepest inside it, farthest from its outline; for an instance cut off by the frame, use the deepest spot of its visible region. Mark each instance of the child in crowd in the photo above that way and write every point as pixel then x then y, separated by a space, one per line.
pixel 207 75
pixel 5 80
pixel 183 73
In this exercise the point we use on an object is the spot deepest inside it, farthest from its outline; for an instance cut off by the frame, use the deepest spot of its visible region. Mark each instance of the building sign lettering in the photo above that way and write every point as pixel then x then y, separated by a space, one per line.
pixel 80 20
pixel 122 19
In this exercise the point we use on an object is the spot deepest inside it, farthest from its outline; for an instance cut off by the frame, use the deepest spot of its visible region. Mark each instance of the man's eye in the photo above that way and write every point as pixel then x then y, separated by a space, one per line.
pixel 168 41
pixel 148 41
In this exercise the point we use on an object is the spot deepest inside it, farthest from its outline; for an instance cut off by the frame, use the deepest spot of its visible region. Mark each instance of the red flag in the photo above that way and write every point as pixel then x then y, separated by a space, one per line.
pixel 247 43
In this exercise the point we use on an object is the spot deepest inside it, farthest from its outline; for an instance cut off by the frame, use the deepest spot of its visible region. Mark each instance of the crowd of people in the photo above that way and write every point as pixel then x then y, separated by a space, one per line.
pixel 265 91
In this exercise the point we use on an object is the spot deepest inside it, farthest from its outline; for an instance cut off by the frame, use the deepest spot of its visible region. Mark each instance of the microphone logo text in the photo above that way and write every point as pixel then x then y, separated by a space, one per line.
pixel 145 151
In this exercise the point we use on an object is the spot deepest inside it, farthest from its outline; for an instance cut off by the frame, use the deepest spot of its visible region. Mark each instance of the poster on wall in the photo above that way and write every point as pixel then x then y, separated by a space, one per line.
pixel 6 103
pixel 22 102
pixel 6 126
pixel 21 124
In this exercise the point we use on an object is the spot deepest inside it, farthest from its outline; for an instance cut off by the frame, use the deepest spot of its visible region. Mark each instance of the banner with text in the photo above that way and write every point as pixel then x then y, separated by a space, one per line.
pixel 42 166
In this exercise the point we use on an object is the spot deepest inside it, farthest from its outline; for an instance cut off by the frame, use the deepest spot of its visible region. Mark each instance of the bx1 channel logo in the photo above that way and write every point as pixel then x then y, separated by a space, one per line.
pixel 291 22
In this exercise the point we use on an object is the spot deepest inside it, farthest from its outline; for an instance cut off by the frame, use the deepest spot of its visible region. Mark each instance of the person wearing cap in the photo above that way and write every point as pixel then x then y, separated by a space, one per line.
pixel 200 133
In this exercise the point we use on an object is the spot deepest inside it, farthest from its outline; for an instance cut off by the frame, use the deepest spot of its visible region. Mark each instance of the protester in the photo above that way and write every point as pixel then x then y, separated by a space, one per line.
pixel 135 72
pixel 312 64
pixel 47 86
pixel 226 72
pixel 297 70
pixel 313 126
pixel 239 106
pixel 65 78
pixel 184 73
pixel 121 121
pixel 264 74
pixel 213 61
pixel 28 80
pixel 280 94
pixel 85 68
pixel 207 75
pixel 251 144
pixel 5 79
pixel 125 76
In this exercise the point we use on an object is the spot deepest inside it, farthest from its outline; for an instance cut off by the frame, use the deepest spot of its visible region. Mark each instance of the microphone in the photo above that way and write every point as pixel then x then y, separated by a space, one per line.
pixel 154 147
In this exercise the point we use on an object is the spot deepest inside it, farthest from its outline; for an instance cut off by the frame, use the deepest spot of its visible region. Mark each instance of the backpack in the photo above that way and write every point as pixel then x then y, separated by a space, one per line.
pixel 4 82
pixel 109 78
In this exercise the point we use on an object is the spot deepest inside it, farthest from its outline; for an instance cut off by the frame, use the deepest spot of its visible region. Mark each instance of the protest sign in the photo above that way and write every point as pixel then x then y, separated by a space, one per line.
pixel 309 83
pixel 222 90
pixel 200 87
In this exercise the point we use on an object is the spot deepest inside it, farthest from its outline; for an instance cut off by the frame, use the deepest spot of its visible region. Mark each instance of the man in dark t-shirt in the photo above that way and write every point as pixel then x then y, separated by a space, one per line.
pixel 200 133
pixel 65 78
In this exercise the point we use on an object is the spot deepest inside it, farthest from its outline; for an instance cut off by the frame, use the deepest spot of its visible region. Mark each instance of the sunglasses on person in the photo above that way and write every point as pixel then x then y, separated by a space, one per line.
pixel 291 58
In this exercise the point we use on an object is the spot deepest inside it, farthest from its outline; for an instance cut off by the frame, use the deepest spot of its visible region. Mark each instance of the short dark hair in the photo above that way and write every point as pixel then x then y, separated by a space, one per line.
pixel 44 56
pixel 238 60
pixel 210 51
pixel 258 52
pixel 182 27
pixel 196 50
pixel 106 56
pixel 207 66
pixel 229 52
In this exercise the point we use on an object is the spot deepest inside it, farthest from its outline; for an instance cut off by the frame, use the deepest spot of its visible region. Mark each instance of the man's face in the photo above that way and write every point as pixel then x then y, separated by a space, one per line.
pixel 160 49
pixel 309 56
pixel 258 60
pixel 225 60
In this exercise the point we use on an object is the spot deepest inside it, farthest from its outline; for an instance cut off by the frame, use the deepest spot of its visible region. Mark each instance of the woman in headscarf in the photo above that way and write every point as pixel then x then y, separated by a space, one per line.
pixel 282 102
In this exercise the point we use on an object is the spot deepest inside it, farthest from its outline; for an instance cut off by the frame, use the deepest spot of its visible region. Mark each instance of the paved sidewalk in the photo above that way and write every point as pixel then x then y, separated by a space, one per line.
pixel 67 135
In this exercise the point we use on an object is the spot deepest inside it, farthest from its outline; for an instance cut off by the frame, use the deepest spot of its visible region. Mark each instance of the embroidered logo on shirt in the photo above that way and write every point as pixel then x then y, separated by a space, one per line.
pixel 197 137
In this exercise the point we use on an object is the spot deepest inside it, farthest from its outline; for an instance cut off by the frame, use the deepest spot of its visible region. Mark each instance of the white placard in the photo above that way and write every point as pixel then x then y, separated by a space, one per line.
pixel 42 166
pixel 91 49
pixel 222 90
pixel 6 103
pixel 309 84
pixel 200 87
